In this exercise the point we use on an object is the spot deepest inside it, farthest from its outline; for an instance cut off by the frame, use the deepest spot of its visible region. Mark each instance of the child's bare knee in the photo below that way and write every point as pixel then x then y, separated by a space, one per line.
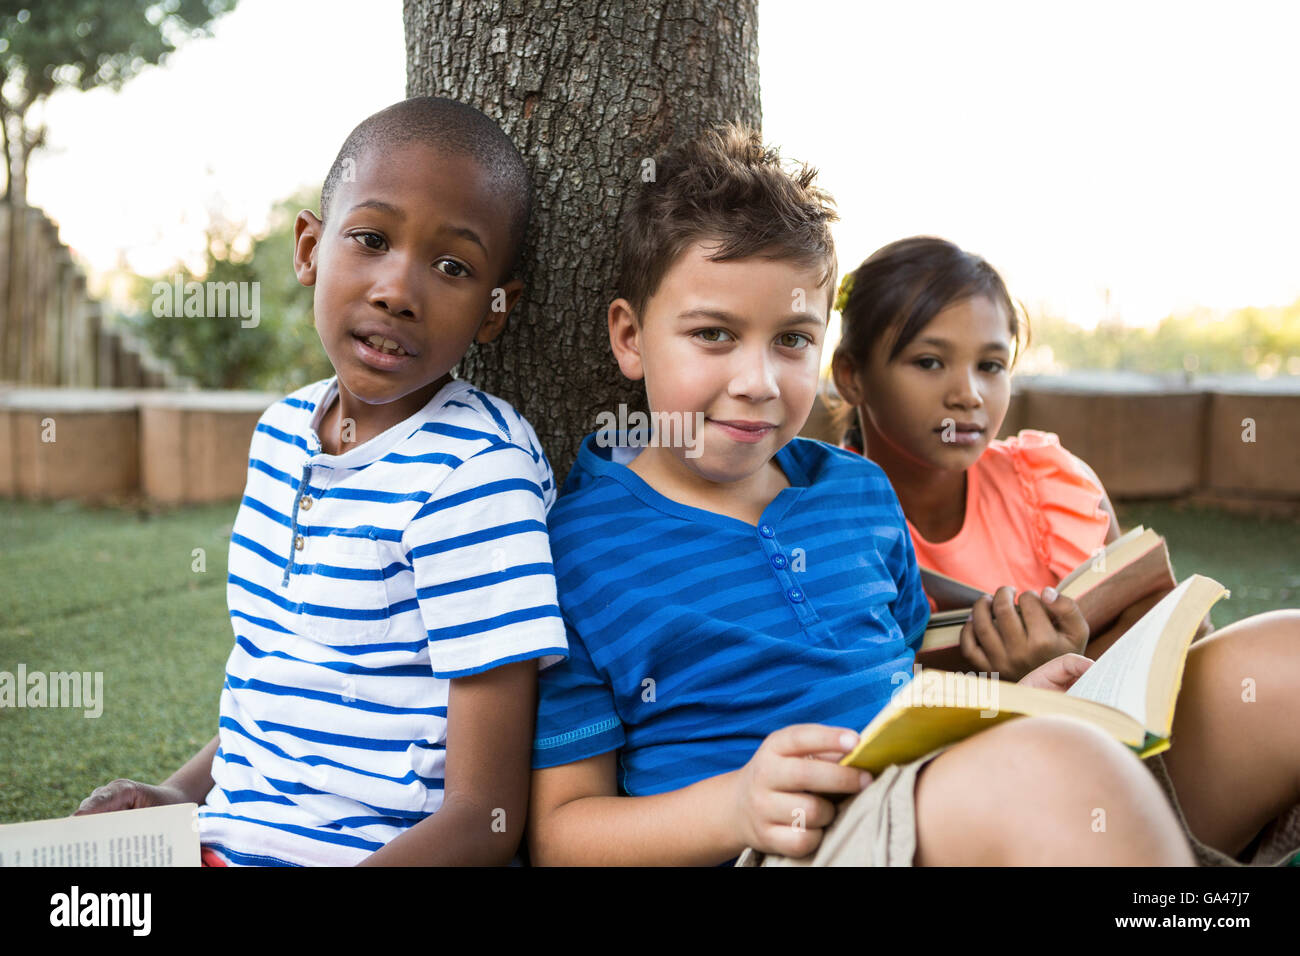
pixel 1253 662
pixel 1043 790
pixel 1264 642
pixel 1047 754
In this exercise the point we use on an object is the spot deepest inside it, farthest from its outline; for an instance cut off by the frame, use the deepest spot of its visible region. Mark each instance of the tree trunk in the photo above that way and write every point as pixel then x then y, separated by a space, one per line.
pixel 587 89
pixel 4 140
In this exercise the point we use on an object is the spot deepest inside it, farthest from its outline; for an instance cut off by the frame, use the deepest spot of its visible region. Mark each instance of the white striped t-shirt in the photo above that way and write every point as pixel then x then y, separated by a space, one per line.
pixel 359 585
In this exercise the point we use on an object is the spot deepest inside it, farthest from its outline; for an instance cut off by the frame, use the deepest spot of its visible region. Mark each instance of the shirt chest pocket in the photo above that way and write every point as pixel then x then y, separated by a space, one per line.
pixel 341 594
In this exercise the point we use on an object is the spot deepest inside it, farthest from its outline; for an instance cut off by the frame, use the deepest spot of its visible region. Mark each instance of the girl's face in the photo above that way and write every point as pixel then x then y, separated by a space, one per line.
pixel 943 398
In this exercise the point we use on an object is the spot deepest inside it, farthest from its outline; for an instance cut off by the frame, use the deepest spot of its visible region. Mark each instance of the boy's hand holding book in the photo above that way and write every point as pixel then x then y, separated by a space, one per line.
pixel 125 794
pixel 778 809
pixel 1058 674
pixel 786 795
pixel 190 784
pixel 1011 641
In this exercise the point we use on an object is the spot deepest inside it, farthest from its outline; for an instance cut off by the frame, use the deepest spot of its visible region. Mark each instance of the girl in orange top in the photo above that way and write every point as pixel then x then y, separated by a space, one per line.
pixel 1033 513
pixel 927 342
pixel 928 339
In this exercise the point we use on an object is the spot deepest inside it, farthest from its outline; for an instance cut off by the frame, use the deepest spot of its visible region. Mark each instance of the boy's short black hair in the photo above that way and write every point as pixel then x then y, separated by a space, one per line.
pixel 452 127
pixel 725 186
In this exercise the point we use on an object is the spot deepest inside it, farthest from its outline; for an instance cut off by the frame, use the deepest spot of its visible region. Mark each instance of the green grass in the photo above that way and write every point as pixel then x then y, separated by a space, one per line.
pixel 86 589
pixel 114 591
pixel 1253 557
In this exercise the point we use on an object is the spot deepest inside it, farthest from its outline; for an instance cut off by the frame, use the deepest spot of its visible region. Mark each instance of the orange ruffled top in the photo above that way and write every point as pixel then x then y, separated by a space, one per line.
pixel 1033 514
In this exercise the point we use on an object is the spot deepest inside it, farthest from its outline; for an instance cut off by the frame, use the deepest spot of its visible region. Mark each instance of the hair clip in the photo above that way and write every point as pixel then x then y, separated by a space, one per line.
pixel 846 290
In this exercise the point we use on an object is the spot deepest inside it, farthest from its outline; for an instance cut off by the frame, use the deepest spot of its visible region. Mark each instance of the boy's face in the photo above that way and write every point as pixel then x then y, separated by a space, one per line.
pixel 415 245
pixel 739 341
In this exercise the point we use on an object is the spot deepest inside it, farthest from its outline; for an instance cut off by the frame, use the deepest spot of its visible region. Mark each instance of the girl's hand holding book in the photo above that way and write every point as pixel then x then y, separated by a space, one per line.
pixel 1012 641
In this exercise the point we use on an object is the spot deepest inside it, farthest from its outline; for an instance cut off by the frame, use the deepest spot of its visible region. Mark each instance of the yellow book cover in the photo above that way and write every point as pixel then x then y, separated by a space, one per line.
pixel 1130 692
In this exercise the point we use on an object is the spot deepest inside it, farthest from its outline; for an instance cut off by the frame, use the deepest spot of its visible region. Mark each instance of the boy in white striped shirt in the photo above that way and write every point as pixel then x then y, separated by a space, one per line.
pixel 391 588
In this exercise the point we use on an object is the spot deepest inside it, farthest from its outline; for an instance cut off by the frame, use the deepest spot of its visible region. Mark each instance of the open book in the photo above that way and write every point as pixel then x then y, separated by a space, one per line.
pixel 1129 692
pixel 151 836
pixel 1131 567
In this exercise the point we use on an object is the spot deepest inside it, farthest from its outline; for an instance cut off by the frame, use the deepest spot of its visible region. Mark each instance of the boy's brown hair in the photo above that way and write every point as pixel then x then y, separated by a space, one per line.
pixel 724 186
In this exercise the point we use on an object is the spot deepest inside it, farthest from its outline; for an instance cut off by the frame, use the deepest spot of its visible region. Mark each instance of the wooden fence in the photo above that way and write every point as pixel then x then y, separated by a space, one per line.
pixel 51 331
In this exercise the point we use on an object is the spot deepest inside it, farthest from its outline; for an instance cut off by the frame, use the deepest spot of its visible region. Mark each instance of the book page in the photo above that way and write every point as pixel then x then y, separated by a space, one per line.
pixel 1119 678
pixel 154 836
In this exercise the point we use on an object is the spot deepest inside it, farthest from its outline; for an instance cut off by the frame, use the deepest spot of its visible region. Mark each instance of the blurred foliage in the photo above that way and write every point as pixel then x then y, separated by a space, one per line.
pixel 1263 341
pixel 282 352
pixel 81 44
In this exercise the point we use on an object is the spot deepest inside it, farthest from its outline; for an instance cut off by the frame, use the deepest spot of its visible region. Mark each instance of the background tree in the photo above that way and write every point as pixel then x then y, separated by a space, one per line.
pixel 588 90
pixel 80 44
pixel 1264 341
pixel 282 352
pixel 74 44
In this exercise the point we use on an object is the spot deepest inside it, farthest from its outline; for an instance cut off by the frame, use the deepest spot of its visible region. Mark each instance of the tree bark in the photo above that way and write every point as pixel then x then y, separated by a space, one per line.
pixel 587 89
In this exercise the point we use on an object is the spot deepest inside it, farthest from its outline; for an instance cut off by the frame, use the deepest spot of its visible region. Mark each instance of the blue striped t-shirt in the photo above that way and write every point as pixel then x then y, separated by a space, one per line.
pixel 694 635
pixel 359 585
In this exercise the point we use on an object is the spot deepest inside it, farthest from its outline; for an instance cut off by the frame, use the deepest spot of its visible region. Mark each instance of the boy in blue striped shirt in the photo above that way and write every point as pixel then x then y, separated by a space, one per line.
pixel 390 587
pixel 739 601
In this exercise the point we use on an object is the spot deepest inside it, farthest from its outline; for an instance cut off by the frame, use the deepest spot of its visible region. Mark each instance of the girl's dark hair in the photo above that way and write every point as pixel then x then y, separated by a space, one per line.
pixel 907 283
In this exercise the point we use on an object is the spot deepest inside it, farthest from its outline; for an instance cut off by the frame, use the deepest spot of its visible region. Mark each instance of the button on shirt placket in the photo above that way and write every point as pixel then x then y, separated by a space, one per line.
pixel 780 564
pixel 298 541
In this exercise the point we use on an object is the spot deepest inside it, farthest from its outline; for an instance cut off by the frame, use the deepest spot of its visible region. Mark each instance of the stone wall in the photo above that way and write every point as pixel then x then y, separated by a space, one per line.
pixel 187 447
pixel 1152 438
pixel 110 444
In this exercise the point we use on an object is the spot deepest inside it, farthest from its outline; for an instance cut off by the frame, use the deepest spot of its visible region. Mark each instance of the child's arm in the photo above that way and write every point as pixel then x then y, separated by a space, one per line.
pixel 485 587
pixel 578 819
pixel 489 742
pixel 190 784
